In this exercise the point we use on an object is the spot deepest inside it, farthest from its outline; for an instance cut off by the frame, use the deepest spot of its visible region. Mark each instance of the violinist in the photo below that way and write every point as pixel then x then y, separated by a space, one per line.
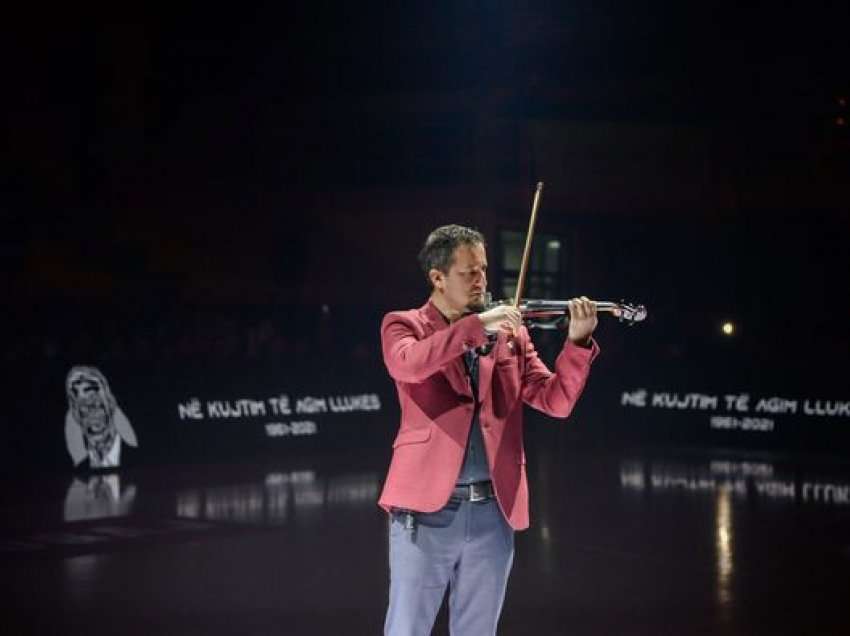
pixel 456 489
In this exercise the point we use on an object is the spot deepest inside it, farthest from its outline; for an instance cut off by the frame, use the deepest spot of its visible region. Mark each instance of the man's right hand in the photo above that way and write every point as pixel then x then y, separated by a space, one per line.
pixel 505 318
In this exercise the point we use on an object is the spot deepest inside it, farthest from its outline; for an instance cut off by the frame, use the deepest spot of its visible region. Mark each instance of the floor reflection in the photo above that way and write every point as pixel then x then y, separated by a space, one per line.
pixel 98 497
pixel 738 492
pixel 724 533
pixel 761 480
pixel 278 497
pixel 620 543
pixel 81 574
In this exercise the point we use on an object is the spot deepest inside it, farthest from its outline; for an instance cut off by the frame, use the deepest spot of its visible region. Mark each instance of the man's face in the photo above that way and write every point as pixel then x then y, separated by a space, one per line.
pixel 88 395
pixel 464 285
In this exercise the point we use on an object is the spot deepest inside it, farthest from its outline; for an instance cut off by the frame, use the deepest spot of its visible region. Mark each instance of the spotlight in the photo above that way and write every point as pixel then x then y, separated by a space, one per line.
pixel 728 328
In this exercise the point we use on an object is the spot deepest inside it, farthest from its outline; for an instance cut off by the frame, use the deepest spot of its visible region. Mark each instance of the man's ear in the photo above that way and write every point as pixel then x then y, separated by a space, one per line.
pixel 437 278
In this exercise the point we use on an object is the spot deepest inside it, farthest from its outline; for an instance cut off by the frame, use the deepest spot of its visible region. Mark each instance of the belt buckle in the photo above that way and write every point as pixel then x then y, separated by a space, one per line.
pixel 476 494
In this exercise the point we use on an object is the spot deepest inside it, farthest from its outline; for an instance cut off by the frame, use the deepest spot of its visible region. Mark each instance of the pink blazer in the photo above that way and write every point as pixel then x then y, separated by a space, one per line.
pixel 423 354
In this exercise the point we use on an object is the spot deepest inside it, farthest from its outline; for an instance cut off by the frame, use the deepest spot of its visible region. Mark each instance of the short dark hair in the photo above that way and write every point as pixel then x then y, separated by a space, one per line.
pixel 441 244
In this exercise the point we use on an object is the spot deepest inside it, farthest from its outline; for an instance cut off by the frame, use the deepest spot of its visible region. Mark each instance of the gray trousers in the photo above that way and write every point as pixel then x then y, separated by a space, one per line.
pixel 468 547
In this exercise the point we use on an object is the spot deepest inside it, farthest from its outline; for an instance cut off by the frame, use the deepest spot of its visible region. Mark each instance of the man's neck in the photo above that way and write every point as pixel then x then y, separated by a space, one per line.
pixel 451 315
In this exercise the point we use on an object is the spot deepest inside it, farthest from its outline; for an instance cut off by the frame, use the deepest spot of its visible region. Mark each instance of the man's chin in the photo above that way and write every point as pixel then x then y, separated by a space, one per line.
pixel 475 306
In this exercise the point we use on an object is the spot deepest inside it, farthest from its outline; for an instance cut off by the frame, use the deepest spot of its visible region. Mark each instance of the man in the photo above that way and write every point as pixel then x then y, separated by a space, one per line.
pixel 456 488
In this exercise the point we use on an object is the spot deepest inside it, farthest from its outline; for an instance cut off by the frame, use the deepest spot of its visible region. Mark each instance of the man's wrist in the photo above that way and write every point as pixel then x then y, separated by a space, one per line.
pixel 584 343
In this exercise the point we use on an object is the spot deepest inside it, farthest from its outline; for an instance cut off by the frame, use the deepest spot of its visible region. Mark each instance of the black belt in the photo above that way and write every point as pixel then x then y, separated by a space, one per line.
pixel 478 491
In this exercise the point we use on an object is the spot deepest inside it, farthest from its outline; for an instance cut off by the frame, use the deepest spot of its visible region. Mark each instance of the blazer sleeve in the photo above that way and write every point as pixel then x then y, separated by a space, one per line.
pixel 556 393
pixel 412 357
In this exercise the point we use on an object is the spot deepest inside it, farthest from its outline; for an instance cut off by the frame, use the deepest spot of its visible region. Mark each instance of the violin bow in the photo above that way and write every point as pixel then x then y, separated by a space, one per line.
pixel 526 253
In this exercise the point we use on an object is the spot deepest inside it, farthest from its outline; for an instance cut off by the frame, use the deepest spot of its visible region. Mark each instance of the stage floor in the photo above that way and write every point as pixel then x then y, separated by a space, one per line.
pixel 626 542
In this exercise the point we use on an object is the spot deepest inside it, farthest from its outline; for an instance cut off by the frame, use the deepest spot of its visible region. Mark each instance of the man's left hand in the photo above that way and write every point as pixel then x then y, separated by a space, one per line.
pixel 583 320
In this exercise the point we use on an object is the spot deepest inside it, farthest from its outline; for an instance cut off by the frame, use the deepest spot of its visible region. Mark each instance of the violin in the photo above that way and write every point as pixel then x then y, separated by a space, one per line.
pixel 555 314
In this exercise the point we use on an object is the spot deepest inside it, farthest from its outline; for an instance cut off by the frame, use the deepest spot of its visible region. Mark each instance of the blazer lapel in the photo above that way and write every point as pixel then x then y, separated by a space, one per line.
pixel 485 368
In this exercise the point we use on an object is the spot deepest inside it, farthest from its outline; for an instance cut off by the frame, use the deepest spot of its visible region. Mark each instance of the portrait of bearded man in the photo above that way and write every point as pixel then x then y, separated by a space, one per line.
pixel 95 426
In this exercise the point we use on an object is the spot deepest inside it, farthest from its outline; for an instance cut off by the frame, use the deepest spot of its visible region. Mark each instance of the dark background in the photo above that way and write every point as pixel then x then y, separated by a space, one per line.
pixel 228 200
